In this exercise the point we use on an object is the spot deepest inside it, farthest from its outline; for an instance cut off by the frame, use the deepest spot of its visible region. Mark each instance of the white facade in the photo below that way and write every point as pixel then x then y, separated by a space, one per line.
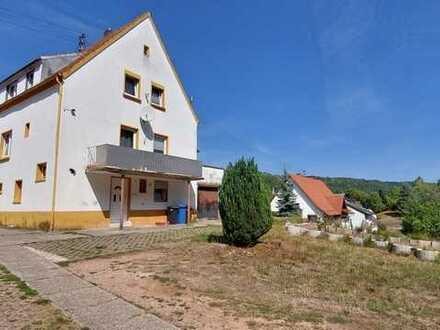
pixel 212 175
pixel 305 204
pixel 307 208
pixel 95 92
pixel 274 204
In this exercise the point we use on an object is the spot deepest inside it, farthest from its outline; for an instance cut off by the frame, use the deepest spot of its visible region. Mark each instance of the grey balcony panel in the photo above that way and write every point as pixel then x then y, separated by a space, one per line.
pixel 129 159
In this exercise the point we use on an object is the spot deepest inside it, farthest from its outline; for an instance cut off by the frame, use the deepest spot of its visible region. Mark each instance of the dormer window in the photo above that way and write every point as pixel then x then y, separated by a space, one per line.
pixel 30 79
pixel 158 96
pixel 11 90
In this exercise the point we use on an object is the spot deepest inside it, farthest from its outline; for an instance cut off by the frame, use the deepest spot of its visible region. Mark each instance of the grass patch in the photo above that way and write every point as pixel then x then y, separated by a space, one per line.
pixel 8 277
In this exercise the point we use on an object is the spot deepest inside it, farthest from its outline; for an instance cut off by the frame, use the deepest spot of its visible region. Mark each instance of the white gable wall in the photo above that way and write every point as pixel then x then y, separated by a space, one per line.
pixel 356 218
pixel 305 204
pixel 96 92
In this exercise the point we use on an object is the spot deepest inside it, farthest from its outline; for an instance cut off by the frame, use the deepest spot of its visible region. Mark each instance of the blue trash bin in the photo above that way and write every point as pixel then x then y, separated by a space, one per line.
pixel 181 215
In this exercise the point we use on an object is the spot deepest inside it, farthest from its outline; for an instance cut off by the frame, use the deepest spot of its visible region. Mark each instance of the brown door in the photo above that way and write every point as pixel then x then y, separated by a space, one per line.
pixel 207 206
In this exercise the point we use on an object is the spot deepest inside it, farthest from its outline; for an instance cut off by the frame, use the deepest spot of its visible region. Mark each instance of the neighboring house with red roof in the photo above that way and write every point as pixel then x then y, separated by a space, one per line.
pixel 315 199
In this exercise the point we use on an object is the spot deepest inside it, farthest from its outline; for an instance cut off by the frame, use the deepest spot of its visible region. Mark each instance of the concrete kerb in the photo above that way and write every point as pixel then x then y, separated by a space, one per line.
pixel 395 244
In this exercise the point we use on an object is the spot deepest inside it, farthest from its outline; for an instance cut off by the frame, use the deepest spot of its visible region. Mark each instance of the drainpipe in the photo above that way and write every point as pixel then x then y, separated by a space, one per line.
pixel 59 80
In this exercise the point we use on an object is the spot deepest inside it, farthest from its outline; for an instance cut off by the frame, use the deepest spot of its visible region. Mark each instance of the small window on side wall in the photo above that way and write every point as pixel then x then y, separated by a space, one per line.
pixel 142 186
pixel 6 140
pixel 40 175
pixel 146 51
pixel 18 189
pixel 27 130
pixel 160 191
pixel 158 96
pixel 1 188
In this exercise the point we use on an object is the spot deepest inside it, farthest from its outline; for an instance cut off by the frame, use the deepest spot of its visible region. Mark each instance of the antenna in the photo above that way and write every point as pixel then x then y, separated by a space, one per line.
pixel 82 42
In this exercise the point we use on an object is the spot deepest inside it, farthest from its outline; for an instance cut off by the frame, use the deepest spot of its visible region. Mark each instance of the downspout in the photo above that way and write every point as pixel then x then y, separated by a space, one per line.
pixel 59 80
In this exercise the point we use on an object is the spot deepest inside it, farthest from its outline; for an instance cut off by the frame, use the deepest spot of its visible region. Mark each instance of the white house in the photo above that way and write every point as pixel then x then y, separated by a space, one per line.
pixel 102 137
pixel 315 200
pixel 360 217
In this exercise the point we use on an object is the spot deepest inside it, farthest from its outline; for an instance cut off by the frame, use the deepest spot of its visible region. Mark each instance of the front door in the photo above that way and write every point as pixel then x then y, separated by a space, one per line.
pixel 118 202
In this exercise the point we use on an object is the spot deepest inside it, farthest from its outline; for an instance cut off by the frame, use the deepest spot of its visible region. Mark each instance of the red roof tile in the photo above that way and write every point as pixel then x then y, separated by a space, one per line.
pixel 317 191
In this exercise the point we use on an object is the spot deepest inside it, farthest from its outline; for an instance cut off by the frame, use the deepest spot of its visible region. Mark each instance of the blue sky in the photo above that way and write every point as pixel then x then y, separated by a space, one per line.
pixel 335 88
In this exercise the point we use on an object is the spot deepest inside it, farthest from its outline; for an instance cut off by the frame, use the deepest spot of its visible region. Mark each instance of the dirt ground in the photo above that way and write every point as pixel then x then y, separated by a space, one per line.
pixel 282 283
pixel 22 308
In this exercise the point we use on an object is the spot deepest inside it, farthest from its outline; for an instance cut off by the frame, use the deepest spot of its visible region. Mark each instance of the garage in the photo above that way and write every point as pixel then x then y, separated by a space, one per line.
pixel 207 202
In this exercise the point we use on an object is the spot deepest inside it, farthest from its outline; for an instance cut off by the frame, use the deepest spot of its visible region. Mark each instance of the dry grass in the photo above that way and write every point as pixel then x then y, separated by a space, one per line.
pixel 283 282
pixel 22 307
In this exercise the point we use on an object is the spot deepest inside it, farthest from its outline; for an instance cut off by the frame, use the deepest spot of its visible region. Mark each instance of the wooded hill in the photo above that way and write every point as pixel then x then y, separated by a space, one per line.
pixel 341 185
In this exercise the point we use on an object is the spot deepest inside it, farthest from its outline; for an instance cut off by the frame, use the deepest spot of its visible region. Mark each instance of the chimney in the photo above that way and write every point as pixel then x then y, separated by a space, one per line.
pixel 107 31
pixel 82 42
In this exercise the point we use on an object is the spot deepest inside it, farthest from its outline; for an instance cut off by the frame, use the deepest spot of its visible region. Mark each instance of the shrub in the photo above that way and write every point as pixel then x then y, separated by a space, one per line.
pixel 244 204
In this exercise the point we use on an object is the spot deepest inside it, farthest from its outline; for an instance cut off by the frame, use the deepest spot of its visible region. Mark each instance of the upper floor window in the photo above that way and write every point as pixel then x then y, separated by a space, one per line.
pixel 5 145
pixel 132 86
pixel 128 137
pixel 146 50
pixel 30 79
pixel 27 130
pixel 158 96
pixel 11 90
pixel 40 174
pixel 160 144
pixel 1 188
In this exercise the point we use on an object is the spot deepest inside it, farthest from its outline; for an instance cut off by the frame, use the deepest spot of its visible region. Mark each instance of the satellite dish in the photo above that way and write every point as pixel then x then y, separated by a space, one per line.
pixel 147 115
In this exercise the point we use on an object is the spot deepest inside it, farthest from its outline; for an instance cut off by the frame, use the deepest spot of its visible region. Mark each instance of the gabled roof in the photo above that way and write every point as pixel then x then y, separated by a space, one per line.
pixel 320 195
pixel 89 54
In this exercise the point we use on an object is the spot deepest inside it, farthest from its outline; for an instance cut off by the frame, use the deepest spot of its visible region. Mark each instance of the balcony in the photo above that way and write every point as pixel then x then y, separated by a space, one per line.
pixel 116 159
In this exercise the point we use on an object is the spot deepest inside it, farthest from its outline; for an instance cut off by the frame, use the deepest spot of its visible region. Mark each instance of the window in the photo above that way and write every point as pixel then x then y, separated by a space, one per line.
pixel 27 130
pixel 6 139
pixel 1 188
pixel 40 174
pixel 146 50
pixel 142 186
pixel 128 137
pixel 11 90
pixel 132 86
pixel 160 191
pixel 18 191
pixel 160 144
pixel 29 79
pixel 158 96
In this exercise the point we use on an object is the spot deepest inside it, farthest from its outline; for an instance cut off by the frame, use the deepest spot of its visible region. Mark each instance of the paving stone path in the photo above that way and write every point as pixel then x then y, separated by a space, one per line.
pixel 79 248
pixel 90 306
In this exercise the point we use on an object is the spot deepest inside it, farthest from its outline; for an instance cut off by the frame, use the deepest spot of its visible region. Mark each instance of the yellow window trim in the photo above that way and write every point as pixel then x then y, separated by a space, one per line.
pixel 39 175
pixel 18 190
pixel 167 142
pixel 27 129
pixel 137 97
pixel 135 130
pixel 4 158
pixel 155 105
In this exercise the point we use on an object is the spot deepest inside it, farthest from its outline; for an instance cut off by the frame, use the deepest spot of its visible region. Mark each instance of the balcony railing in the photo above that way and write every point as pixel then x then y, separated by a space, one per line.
pixel 114 158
